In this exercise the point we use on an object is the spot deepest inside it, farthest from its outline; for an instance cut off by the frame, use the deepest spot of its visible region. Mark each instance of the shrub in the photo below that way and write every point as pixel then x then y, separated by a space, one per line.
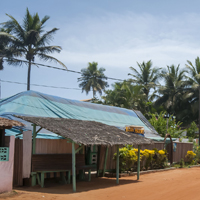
pixel 196 149
pixel 150 159
pixel 160 124
pixel 127 158
pixel 147 158
pixel 160 159
pixel 189 158
pixel 192 130
pixel 182 163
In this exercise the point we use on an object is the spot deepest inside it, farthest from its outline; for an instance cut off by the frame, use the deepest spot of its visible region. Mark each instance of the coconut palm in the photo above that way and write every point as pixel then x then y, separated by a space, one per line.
pixel 125 95
pixel 93 79
pixel 4 47
pixel 29 40
pixel 193 91
pixel 147 77
pixel 194 72
pixel 172 94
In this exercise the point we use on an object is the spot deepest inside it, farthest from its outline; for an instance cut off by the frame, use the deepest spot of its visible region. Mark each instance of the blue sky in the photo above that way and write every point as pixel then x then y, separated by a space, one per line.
pixel 114 33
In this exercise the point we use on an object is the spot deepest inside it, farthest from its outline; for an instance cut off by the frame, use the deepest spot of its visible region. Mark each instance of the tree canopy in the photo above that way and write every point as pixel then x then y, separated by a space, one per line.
pixel 93 79
pixel 27 40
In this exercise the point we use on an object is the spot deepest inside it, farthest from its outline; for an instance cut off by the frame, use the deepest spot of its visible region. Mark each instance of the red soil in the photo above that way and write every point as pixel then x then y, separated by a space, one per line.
pixel 183 184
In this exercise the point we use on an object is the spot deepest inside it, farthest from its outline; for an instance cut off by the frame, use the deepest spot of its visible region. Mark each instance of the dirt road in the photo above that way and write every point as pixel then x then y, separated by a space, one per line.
pixel 183 184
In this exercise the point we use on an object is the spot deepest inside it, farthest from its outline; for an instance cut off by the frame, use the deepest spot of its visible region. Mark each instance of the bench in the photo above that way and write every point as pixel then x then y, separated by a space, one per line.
pixel 46 163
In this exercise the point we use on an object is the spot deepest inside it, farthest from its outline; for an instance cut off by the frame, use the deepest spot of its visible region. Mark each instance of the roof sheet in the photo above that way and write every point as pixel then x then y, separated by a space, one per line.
pixel 31 103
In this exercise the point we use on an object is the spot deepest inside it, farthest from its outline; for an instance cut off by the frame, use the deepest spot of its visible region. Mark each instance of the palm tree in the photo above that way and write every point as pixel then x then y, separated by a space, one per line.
pixel 172 94
pixel 93 78
pixel 194 72
pixel 125 95
pixel 193 91
pixel 147 77
pixel 4 47
pixel 29 41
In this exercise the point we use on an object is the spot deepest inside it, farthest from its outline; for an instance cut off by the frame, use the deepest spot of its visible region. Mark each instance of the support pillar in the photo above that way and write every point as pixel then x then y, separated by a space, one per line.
pixel 73 167
pixel 117 165
pixel 105 161
pixel 2 137
pixel 34 138
pixel 138 166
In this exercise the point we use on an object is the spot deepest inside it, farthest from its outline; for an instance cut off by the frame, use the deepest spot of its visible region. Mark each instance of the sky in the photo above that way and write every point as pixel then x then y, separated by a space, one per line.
pixel 117 34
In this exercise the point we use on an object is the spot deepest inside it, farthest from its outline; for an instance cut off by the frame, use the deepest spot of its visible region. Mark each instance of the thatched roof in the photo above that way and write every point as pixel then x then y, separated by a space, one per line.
pixel 8 124
pixel 87 132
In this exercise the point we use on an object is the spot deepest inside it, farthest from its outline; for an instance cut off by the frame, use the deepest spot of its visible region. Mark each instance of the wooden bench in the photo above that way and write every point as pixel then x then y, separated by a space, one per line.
pixel 46 163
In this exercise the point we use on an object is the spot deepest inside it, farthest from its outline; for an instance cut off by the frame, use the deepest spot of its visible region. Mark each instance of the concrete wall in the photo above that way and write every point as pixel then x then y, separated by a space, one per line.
pixel 6 169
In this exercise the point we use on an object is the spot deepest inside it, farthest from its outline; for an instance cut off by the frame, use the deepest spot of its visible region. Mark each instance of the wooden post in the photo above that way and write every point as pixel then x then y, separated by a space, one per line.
pixel 138 166
pixel 73 167
pixel 81 171
pixel 34 138
pixel 105 161
pixel 98 160
pixel 2 137
pixel 117 165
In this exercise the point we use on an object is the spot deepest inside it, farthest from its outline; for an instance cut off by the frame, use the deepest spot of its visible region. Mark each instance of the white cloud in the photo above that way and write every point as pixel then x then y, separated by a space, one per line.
pixel 117 40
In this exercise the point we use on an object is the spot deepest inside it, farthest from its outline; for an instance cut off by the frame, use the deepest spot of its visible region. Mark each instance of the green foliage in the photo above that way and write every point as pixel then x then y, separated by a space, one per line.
pixel 160 158
pixel 182 163
pixel 196 150
pixel 126 95
pixel 192 130
pixel 127 158
pixel 172 92
pixel 160 124
pixel 27 40
pixel 190 156
pixel 150 159
pixel 147 77
pixel 93 79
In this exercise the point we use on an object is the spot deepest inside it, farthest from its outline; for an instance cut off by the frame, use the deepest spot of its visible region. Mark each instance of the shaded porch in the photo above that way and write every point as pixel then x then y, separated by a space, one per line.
pixel 82 134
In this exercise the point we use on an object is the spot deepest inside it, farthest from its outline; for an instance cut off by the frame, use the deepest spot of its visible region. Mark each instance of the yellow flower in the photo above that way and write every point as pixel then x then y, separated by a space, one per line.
pixel 191 153
pixel 161 152
pixel 136 150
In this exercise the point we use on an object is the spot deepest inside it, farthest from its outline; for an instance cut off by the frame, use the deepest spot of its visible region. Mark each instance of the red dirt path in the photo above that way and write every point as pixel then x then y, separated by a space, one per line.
pixel 183 184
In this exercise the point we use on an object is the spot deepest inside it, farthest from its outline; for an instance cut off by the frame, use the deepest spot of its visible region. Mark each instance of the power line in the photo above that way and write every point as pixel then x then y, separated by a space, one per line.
pixel 63 69
pixel 58 87
pixel 40 85
pixel 78 72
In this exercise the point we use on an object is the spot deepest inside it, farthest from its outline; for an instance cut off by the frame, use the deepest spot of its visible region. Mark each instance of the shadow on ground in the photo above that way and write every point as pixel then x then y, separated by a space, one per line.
pixel 81 186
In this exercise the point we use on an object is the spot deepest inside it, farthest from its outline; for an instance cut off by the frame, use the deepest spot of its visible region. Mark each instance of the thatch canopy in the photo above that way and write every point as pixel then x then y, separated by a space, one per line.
pixel 8 124
pixel 87 132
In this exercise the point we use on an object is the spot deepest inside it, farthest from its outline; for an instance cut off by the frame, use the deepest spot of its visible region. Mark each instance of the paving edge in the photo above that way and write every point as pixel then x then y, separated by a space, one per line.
pixel 108 174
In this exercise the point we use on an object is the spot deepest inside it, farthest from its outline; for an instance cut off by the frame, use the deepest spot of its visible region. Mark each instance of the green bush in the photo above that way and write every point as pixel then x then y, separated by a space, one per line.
pixel 127 158
pixel 150 159
pixel 189 158
pixel 192 130
pixel 160 124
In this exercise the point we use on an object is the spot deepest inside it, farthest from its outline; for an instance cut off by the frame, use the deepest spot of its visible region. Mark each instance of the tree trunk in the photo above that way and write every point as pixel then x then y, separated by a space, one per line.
pixel 29 75
pixel 93 93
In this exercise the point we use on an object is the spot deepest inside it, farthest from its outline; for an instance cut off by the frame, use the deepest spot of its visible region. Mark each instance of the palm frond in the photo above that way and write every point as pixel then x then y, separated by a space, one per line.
pixel 49 58
pixel 47 37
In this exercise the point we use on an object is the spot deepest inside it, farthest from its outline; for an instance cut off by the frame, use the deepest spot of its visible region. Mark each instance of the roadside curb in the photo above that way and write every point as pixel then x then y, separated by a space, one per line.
pixel 108 174
pixel 194 166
